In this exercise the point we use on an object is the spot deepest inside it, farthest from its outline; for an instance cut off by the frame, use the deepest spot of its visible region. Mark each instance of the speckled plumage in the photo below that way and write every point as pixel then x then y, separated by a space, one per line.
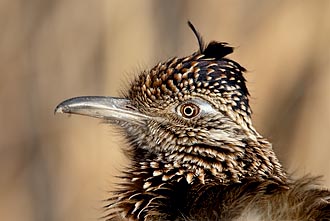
pixel 194 152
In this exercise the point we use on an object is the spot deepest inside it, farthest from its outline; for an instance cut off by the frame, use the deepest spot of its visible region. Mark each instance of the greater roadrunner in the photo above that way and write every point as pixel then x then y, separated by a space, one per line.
pixel 194 152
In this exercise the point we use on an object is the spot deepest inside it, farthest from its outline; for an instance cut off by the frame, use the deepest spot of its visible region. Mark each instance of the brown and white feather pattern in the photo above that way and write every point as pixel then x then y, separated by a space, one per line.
pixel 214 167
pixel 225 152
pixel 220 81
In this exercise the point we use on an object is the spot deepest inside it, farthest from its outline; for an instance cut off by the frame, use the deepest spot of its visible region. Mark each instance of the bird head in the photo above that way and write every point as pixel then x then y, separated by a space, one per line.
pixel 192 112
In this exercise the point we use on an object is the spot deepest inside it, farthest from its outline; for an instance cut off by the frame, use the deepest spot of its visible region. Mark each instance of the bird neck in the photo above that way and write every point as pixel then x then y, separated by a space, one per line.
pixel 202 163
pixel 153 181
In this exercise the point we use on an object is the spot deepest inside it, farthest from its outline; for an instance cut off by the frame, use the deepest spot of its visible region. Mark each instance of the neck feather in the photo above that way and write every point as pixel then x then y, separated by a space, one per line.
pixel 150 183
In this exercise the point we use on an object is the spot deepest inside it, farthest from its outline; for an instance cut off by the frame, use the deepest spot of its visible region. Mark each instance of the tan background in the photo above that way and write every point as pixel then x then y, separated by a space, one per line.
pixel 60 168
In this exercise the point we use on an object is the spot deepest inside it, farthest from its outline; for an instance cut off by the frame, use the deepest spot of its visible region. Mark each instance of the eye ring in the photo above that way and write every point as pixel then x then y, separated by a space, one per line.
pixel 189 110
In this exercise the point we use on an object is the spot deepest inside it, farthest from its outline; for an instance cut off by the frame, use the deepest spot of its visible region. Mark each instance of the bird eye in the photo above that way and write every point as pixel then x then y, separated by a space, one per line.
pixel 189 110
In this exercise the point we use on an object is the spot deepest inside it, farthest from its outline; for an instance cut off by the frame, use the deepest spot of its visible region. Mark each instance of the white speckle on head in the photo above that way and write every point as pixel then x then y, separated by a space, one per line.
pixel 146 185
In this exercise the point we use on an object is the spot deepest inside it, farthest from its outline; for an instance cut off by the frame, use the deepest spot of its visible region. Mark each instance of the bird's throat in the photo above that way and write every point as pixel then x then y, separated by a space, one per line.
pixel 156 180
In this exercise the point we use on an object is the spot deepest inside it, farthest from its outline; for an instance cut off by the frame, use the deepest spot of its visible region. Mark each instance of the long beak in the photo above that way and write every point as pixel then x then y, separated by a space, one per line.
pixel 108 108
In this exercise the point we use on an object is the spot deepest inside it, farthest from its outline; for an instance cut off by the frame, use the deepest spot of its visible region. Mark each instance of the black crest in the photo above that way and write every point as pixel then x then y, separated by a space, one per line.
pixel 214 49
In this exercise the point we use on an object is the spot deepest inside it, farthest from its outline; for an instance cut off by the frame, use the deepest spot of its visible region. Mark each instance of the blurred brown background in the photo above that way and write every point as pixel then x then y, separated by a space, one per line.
pixel 61 168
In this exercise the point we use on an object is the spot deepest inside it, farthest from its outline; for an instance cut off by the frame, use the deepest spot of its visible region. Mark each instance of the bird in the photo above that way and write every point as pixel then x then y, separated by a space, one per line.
pixel 194 152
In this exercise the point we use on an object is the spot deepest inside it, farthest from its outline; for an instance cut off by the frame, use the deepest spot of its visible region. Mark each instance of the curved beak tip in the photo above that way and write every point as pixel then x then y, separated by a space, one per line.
pixel 65 107
pixel 60 109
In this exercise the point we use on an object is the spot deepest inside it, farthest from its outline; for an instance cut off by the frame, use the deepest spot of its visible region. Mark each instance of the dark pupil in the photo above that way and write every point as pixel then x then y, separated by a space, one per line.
pixel 188 111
